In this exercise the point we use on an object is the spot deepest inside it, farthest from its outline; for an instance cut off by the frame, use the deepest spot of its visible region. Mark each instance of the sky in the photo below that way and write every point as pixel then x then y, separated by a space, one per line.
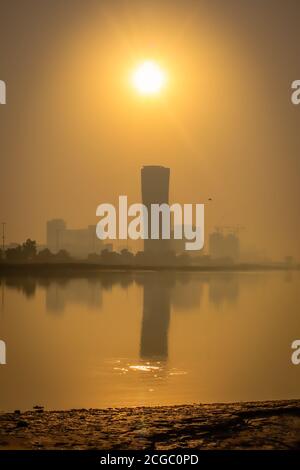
pixel 75 134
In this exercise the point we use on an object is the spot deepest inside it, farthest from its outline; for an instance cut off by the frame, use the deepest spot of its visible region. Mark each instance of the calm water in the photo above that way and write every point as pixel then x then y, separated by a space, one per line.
pixel 117 339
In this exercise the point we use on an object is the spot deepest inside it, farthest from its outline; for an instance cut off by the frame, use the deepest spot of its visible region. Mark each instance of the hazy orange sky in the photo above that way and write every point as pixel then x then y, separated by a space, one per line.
pixel 75 134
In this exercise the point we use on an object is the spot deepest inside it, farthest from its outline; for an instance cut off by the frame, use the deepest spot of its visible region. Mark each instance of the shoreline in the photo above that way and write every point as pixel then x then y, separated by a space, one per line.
pixel 33 268
pixel 221 426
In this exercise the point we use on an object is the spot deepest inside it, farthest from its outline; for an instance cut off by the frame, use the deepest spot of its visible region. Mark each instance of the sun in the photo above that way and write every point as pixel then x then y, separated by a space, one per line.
pixel 148 78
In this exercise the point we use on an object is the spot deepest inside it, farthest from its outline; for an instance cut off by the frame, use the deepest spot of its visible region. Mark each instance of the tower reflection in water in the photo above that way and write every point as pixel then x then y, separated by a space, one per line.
pixel 156 320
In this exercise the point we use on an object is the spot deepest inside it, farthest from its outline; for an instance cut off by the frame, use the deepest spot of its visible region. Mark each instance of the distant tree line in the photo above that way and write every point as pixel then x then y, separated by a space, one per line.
pixel 28 252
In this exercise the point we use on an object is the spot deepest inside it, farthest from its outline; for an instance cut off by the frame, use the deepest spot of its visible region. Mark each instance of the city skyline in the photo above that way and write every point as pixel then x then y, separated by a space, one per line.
pixel 155 182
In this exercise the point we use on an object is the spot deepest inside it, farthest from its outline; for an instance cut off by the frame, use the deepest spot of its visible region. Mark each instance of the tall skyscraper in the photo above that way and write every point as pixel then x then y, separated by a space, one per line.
pixel 155 190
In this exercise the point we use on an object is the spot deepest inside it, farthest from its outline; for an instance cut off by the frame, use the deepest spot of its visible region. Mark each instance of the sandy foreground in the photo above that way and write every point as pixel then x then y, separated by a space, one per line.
pixel 255 425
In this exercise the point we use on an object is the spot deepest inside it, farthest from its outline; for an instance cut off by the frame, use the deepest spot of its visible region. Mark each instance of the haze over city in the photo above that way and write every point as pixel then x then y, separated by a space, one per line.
pixel 223 121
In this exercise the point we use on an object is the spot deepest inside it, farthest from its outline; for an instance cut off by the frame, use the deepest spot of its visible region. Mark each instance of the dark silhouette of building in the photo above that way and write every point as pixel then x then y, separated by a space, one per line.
pixel 224 246
pixel 55 230
pixel 155 190
pixel 77 242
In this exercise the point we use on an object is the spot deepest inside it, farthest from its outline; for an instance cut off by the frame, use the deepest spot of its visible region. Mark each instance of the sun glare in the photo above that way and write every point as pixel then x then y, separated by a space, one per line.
pixel 148 78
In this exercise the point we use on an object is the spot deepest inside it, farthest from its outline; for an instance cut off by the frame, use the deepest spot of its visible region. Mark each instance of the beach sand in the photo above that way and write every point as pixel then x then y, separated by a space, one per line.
pixel 253 425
